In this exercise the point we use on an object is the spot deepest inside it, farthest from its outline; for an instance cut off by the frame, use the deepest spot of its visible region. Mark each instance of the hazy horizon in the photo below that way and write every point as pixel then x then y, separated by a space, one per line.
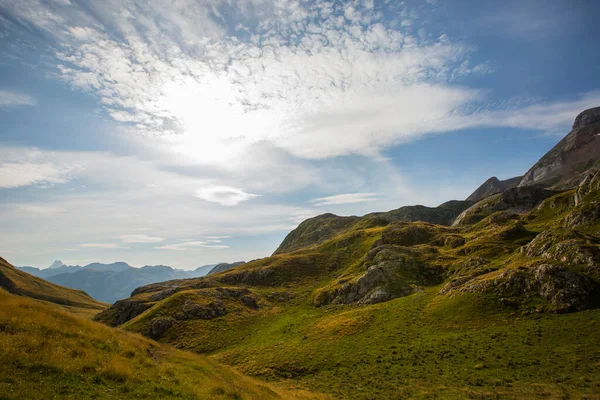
pixel 204 132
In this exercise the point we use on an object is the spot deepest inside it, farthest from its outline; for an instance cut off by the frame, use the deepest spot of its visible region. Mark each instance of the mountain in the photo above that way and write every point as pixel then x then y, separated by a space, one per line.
pixel 57 264
pixel 323 227
pixel 493 186
pixel 202 271
pixel 391 305
pixel 224 267
pixel 114 267
pixel 48 353
pixel 572 156
pixel 20 283
pixel 112 282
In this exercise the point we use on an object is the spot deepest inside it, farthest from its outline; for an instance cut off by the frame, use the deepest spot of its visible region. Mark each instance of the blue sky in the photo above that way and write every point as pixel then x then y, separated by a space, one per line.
pixel 204 131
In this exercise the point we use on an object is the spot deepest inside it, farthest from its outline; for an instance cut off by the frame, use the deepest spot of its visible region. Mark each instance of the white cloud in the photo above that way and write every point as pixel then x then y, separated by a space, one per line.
pixel 101 246
pixel 191 245
pixel 348 198
pixel 227 196
pixel 139 239
pixel 17 174
pixel 14 99
pixel 314 79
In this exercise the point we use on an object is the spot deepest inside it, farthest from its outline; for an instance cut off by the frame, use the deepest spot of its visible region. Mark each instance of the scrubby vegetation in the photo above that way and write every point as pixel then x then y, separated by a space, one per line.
pixel 502 305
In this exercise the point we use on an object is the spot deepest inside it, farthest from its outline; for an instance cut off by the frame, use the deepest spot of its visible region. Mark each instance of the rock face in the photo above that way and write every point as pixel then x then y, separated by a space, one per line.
pixel 122 311
pixel 493 186
pixel 393 270
pixel 159 327
pixel 572 156
pixel 563 289
pixel 515 200
pixel 587 117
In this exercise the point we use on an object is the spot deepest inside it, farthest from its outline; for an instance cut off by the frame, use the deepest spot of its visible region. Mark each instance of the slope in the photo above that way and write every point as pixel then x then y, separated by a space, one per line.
pixel 502 307
pixel 48 353
pixel 504 304
pixel 21 283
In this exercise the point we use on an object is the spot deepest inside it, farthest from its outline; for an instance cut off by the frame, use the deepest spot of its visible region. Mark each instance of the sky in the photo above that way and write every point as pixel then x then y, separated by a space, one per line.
pixel 188 132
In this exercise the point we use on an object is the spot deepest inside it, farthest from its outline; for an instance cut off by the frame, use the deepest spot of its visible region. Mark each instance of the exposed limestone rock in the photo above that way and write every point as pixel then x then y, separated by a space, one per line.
pixel 563 289
pixel 516 200
pixel 493 186
pixel 191 310
pixel 589 184
pixel 587 117
pixel 159 327
pixel 566 247
pixel 124 310
pixel 393 273
pixel 163 294
pixel 573 155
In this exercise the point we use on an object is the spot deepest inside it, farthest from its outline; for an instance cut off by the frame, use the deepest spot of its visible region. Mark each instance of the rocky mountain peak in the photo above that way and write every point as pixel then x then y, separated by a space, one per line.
pixel 57 264
pixel 571 159
pixel 588 117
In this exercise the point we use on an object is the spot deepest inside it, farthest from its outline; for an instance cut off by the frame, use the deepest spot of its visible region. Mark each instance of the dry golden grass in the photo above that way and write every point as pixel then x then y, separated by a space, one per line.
pixel 49 353
pixel 21 283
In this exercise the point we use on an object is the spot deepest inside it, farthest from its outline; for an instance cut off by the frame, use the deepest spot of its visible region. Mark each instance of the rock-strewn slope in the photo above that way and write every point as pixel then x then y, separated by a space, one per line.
pixel 407 305
pixel 572 156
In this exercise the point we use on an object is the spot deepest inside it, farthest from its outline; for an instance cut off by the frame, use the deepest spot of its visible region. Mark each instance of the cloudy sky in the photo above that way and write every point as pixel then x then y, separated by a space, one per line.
pixel 186 132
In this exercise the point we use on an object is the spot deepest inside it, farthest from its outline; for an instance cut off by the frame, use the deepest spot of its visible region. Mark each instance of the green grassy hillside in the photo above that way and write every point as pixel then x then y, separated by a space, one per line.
pixel 48 353
pixel 502 305
pixel 21 283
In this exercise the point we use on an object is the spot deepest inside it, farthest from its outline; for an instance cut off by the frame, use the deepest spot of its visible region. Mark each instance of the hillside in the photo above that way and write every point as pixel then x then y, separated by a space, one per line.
pixel 111 282
pixel 224 267
pixel 323 227
pixel 493 186
pixel 48 353
pixel 572 156
pixel 23 284
pixel 502 301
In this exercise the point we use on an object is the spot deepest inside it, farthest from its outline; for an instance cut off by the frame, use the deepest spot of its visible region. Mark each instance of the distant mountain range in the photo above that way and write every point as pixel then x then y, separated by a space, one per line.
pixel 111 282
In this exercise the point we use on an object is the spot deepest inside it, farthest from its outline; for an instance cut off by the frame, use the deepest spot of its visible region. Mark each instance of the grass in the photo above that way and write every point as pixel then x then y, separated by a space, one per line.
pixel 425 345
pixel 48 353
pixel 21 283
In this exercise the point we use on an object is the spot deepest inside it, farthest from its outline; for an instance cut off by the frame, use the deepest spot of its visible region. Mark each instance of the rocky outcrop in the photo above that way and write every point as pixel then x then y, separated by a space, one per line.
pixel 567 247
pixel 122 311
pixel 516 200
pixel 572 156
pixel 159 326
pixel 393 272
pixel 493 186
pixel 191 310
pixel 587 118
pixel 561 289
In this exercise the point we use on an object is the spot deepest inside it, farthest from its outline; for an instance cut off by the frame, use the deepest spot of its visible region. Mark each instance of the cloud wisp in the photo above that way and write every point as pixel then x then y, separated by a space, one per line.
pixel 224 195
pixel 17 174
pixel 348 198
pixel 14 99
pixel 140 239
pixel 102 246
pixel 191 245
